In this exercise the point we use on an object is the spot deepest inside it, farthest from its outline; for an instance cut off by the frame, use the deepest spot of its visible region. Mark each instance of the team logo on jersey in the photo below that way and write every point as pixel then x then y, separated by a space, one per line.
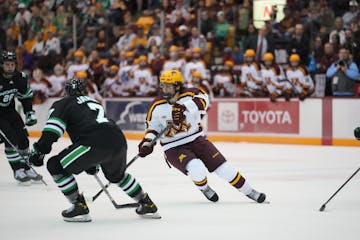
pixel 11 82
pixel 181 157
pixel 1 87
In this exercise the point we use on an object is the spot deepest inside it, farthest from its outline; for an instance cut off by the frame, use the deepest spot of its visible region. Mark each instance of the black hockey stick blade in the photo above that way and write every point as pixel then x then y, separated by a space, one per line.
pixel 322 208
pixel 126 205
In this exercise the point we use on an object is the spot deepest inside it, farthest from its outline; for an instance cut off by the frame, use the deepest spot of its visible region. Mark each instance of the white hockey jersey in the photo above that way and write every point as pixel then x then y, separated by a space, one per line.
pixel 126 76
pixel 74 68
pixel 194 66
pixel 179 64
pixel 300 78
pixel 274 79
pixel 57 85
pixel 224 81
pixel 159 115
pixel 250 76
pixel 144 81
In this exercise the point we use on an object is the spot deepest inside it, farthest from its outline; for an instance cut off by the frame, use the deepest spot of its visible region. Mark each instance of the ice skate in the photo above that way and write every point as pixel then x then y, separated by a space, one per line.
pixel 147 209
pixel 22 178
pixel 78 212
pixel 210 194
pixel 257 196
pixel 34 177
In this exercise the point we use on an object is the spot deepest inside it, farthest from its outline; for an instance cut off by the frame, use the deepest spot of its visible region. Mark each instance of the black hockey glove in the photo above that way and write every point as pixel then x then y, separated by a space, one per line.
pixel 30 118
pixel 357 133
pixel 145 148
pixel 36 158
pixel 178 113
pixel 93 170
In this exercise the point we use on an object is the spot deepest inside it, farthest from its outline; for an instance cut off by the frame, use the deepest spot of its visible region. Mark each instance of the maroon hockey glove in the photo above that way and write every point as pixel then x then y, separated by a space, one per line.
pixel 145 148
pixel 178 113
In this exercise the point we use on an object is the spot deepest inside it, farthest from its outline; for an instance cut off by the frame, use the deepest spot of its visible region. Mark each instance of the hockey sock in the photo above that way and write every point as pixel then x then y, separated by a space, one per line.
pixel 231 175
pixel 131 187
pixel 197 172
pixel 68 186
pixel 15 160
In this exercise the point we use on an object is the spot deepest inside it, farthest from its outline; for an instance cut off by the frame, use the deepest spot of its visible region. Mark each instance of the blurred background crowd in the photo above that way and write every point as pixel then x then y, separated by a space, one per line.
pixel 120 47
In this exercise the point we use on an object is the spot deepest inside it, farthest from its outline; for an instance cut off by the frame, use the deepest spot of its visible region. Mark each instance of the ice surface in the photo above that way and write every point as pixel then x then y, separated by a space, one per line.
pixel 297 180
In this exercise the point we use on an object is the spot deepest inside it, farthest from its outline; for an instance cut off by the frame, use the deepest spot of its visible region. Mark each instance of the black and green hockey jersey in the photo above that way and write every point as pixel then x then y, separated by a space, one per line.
pixel 84 119
pixel 16 86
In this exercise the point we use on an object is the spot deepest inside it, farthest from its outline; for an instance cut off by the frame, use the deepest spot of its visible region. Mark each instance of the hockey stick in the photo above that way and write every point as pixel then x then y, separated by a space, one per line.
pixel 133 160
pixel 117 206
pixel 322 208
pixel 25 158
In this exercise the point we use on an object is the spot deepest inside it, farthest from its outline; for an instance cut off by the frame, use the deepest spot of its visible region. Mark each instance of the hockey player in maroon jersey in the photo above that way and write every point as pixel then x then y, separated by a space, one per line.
pixel 184 143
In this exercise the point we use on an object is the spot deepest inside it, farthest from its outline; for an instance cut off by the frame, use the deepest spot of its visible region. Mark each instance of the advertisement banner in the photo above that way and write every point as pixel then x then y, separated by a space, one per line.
pixel 128 114
pixel 254 117
pixel 228 116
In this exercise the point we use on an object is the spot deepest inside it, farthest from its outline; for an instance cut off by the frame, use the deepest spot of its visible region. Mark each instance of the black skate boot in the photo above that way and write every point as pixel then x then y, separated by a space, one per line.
pixel 210 194
pixel 147 209
pixel 256 196
pixel 78 212
pixel 35 177
pixel 21 176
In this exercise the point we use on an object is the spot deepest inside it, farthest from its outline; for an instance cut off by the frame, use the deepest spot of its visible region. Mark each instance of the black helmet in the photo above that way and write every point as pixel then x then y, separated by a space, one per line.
pixel 75 87
pixel 8 56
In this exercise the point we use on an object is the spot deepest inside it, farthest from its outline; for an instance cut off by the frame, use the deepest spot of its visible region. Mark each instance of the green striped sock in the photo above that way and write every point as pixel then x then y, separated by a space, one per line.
pixel 67 184
pixel 131 187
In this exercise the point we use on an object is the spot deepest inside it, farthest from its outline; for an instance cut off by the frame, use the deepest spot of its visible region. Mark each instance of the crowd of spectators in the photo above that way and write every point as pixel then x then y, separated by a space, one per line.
pixel 120 50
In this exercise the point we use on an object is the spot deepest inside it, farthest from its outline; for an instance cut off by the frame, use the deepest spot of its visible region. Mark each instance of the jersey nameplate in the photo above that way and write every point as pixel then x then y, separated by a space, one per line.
pixel 84 99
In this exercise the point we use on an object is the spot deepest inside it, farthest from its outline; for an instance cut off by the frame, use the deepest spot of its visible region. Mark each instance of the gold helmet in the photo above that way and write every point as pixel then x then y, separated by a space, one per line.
pixel 81 75
pixel 114 68
pixel 171 77
pixel 173 48
pixel 196 74
pixel 294 58
pixel 229 63
pixel 196 50
pixel 268 57
pixel 142 58
pixel 79 54
pixel 249 53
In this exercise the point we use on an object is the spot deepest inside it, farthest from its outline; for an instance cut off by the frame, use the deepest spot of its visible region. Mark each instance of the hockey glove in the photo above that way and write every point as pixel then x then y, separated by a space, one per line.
pixel 178 113
pixel 145 148
pixel 357 133
pixel 93 170
pixel 30 118
pixel 36 158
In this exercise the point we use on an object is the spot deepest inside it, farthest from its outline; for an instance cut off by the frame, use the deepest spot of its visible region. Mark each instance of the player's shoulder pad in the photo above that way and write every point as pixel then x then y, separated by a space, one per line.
pixel 156 102
pixel 189 92
pixel 204 89
pixel 304 70
pixel 19 75
pixel 63 101
pixel 257 66
pixel 276 69
pixel 288 69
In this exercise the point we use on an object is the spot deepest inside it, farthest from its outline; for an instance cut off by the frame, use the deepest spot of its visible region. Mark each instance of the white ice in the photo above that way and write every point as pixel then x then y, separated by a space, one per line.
pixel 296 179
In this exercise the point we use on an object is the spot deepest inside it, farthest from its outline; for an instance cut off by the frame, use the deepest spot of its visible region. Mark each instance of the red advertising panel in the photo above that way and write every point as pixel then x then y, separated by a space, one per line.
pixel 254 117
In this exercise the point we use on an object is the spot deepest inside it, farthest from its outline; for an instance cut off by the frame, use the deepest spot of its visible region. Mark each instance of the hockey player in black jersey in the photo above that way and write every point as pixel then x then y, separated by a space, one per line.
pixel 14 83
pixel 95 141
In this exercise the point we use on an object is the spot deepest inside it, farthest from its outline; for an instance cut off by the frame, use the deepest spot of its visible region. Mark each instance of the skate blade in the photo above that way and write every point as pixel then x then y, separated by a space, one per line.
pixel 80 218
pixel 151 216
pixel 36 181
pixel 27 183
